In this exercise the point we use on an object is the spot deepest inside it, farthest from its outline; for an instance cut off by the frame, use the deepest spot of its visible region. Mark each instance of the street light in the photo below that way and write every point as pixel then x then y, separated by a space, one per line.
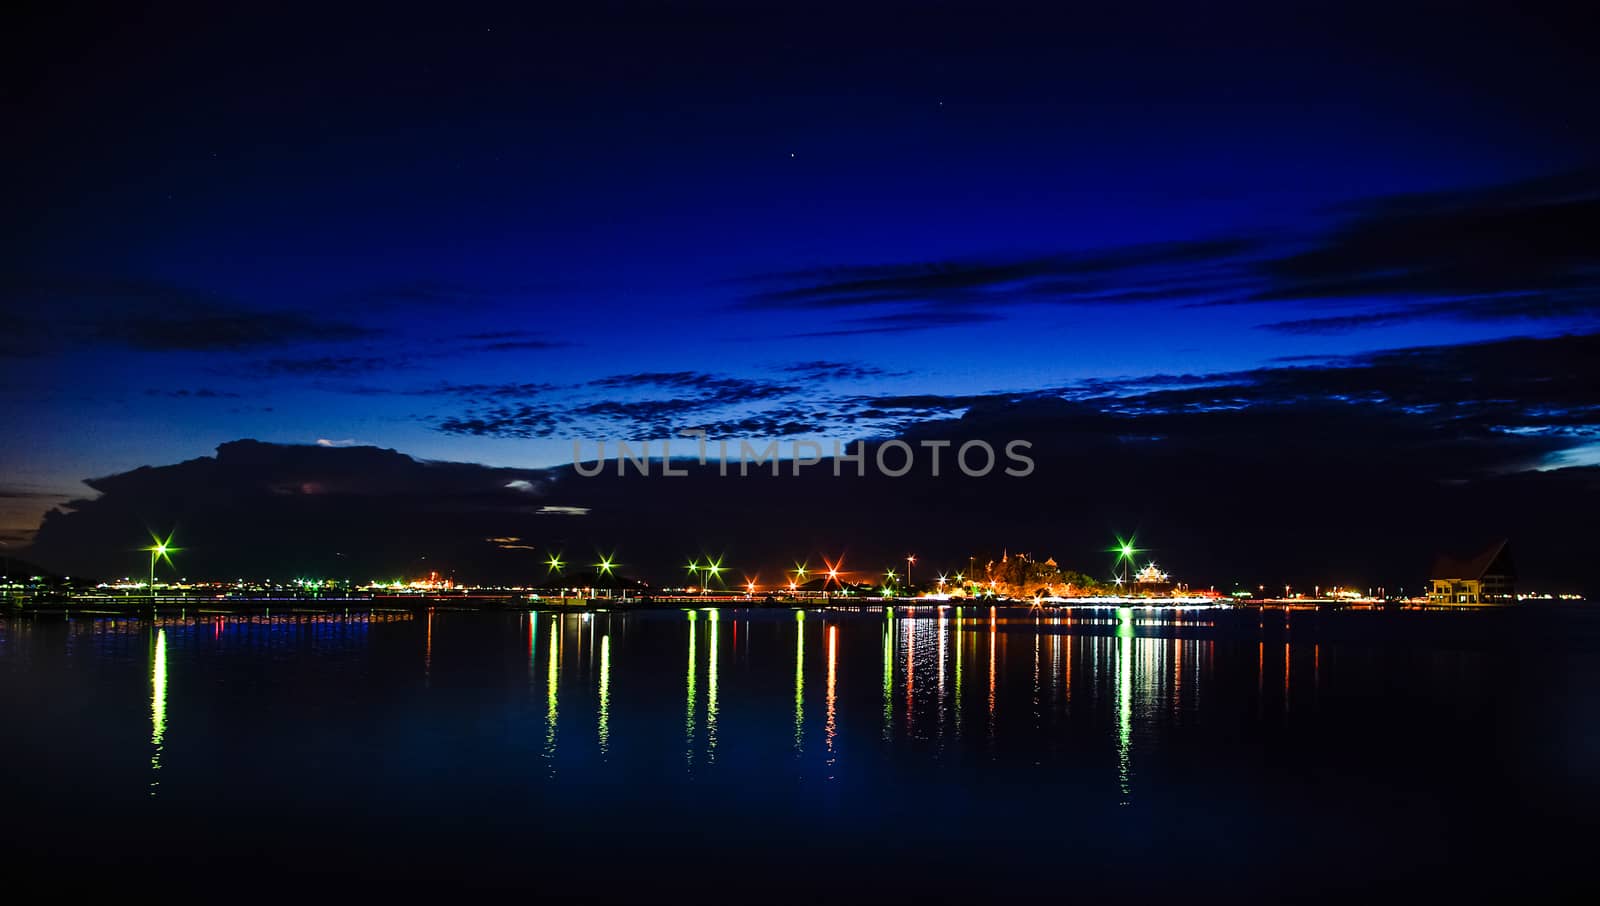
pixel 713 570
pixel 1125 551
pixel 910 559
pixel 161 550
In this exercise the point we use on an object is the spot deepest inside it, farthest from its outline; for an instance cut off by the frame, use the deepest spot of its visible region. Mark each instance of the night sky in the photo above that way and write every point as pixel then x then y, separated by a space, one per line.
pixel 471 237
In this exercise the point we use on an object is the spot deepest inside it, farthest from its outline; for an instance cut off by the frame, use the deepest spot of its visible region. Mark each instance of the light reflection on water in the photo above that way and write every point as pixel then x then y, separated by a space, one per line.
pixel 158 706
pixel 923 725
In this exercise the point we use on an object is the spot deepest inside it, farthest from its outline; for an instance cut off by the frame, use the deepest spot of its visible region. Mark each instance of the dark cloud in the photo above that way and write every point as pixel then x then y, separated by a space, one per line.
pixel 513 340
pixel 1538 236
pixel 1379 461
pixel 20 494
pixel 1063 278
pixel 708 387
pixel 195 331
pixel 1499 253
pixel 328 365
pixel 482 392
pixel 203 393
pixel 524 345
pixel 158 316
pixel 1505 406
pixel 314 510
pixel 696 397
pixel 825 370
pixel 718 404
pixel 905 322
pixel 426 294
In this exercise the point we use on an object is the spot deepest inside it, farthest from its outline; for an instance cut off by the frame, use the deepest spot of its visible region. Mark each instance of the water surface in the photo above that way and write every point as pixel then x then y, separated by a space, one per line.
pixel 772 755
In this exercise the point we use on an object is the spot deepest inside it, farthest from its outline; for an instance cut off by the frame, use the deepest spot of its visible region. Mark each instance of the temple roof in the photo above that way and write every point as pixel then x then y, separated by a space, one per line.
pixel 1476 567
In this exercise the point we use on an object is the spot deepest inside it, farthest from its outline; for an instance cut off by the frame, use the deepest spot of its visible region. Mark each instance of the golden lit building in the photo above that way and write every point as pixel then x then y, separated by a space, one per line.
pixel 1487 579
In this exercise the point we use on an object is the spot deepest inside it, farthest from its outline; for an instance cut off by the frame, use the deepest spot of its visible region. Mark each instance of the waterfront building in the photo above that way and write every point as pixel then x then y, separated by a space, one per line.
pixel 1152 581
pixel 1486 579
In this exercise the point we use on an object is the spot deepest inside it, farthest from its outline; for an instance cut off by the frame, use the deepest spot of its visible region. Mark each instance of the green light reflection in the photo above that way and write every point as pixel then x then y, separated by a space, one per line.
pixel 711 691
pixel 158 707
pixel 1124 713
pixel 605 694
pixel 552 681
pixel 688 719
pixel 799 681
pixel 888 674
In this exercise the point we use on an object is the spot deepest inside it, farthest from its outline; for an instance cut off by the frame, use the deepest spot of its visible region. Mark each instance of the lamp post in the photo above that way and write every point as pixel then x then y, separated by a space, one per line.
pixel 713 570
pixel 1125 551
pixel 910 559
pixel 160 550
pixel 604 568
pixel 553 567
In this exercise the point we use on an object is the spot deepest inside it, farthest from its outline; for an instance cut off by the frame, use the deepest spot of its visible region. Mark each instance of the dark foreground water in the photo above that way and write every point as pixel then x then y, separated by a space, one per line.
pixel 751 756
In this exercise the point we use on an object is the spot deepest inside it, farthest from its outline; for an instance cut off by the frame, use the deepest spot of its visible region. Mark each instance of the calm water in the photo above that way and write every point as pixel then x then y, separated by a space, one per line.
pixel 760 755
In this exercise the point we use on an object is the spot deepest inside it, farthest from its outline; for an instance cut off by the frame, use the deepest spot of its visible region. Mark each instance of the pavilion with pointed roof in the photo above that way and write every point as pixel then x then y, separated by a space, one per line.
pixel 1488 578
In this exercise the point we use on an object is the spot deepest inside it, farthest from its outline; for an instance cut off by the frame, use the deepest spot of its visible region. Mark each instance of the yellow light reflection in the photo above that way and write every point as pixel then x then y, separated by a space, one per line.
pixel 1038 653
pixel 958 672
pixel 1066 672
pixel 605 695
pixel 944 649
pixel 911 674
pixel 711 691
pixel 551 682
pixel 991 672
pixel 1285 676
pixel 888 674
pixel 158 707
pixel 799 681
pixel 833 663
pixel 1124 713
pixel 533 638
pixel 688 719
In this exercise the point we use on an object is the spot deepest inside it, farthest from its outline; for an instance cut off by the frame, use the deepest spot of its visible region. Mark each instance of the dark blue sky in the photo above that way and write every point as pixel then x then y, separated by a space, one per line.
pixel 471 237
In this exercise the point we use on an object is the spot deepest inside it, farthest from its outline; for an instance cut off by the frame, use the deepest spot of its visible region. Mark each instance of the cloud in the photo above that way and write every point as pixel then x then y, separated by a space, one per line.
pixel 820 370
pixel 1180 267
pixel 203 393
pixel 1489 254
pixel 158 316
pixel 514 340
pixel 336 510
pixel 638 410
pixel 709 387
pixel 328 365
pixel 1380 459
pixel 906 322
pixel 194 331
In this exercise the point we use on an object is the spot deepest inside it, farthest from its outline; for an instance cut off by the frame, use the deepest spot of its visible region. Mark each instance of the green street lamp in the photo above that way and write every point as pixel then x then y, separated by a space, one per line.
pixel 713 570
pixel 161 550
pixel 1125 551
